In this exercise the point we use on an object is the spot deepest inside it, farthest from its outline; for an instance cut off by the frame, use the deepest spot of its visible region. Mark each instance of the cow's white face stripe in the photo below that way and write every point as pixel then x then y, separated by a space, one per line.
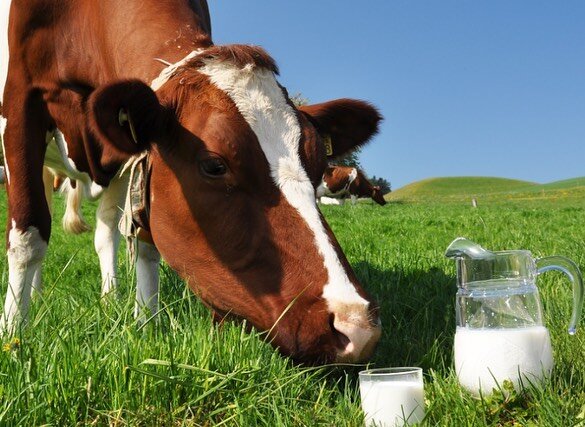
pixel 261 102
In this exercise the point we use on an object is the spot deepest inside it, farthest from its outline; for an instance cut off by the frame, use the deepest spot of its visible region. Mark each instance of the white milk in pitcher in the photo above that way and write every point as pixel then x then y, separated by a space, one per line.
pixel 487 357
pixel 390 403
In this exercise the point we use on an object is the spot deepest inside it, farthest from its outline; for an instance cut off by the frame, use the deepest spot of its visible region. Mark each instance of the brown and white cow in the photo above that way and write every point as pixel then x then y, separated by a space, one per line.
pixel 339 182
pixel 232 165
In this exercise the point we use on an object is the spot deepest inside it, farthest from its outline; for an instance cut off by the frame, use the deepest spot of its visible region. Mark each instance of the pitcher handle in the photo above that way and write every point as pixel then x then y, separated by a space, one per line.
pixel 568 267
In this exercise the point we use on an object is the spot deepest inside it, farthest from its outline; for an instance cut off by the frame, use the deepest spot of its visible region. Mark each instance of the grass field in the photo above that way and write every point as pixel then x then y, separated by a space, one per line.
pixel 82 362
pixel 459 189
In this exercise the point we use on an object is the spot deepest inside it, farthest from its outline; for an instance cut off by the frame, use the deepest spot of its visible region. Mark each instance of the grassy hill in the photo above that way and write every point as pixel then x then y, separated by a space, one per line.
pixel 565 184
pixel 457 189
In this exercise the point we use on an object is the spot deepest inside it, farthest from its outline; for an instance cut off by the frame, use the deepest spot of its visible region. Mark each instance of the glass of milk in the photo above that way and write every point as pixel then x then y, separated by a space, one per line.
pixel 500 333
pixel 392 396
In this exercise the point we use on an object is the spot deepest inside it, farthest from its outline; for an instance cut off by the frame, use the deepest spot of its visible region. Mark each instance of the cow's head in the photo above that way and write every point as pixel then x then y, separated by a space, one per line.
pixel 232 196
pixel 377 195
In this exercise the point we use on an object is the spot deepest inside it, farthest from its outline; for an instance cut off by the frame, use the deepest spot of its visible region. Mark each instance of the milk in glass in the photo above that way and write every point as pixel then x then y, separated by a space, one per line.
pixel 392 402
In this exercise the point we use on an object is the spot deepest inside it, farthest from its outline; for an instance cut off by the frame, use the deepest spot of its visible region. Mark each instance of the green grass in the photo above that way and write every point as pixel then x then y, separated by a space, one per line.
pixel 458 189
pixel 81 361
pixel 455 186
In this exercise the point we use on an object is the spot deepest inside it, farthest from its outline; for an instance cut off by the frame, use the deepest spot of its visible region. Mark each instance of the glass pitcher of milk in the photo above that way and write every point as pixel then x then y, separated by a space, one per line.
pixel 500 334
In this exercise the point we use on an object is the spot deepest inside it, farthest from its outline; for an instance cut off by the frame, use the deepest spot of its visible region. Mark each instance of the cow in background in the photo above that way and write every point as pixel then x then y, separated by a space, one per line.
pixel 339 182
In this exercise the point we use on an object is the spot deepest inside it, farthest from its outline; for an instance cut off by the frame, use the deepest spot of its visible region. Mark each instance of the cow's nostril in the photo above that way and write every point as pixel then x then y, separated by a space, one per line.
pixel 376 322
pixel 341 340
pixel 355 336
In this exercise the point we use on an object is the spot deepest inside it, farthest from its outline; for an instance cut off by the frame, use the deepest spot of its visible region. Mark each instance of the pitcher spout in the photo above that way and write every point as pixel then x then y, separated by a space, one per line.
pixel 465 248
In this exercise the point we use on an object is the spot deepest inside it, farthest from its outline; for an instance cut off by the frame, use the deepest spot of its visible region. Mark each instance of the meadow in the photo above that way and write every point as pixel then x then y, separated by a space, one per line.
pixel 490 189
pixel 80 361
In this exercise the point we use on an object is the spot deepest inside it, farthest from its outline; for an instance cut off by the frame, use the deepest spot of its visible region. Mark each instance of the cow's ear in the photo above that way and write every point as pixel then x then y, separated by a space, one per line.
pixel 347 123
pixel 125 117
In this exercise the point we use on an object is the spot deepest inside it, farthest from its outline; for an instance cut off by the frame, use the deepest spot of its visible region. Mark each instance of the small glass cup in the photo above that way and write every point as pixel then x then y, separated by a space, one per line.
pixel 392 397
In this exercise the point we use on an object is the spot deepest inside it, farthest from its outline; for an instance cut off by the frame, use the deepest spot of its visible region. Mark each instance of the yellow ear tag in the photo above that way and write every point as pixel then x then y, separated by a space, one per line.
pixel 328 145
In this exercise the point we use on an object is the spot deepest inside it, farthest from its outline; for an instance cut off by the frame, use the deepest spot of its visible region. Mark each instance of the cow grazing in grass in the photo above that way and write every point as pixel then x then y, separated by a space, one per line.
pixel 340 182
pixel 229 166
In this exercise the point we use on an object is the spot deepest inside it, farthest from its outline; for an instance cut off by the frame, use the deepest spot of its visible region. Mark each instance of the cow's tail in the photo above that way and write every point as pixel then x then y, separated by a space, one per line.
pixel 73 221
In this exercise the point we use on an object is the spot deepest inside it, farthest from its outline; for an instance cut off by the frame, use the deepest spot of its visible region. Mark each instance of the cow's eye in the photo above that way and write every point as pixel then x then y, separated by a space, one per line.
pixel 213 167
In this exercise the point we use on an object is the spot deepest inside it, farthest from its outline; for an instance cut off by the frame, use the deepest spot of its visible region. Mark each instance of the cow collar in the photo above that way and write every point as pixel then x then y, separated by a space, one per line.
pixel 135 218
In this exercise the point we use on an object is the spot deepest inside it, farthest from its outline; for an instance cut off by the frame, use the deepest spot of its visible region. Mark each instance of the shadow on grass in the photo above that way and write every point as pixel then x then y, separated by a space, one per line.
pixel 417 308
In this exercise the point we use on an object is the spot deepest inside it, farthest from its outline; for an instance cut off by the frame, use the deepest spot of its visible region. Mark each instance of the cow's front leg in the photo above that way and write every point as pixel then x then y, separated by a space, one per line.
pixel 147 278
pixel 29 221
pixel 107 235
pixel 26 250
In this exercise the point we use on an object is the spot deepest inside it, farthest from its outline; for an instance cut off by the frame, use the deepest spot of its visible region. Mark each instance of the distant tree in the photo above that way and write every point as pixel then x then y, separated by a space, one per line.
pixel 351 159
pixel 299 100
pixel 384 184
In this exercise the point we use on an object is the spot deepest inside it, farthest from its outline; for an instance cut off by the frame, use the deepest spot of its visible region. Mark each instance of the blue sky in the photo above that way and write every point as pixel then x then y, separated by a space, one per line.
pixel 492 88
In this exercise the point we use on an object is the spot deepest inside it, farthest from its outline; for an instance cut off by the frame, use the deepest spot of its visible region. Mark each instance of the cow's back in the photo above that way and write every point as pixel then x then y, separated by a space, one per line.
pixel 108 50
